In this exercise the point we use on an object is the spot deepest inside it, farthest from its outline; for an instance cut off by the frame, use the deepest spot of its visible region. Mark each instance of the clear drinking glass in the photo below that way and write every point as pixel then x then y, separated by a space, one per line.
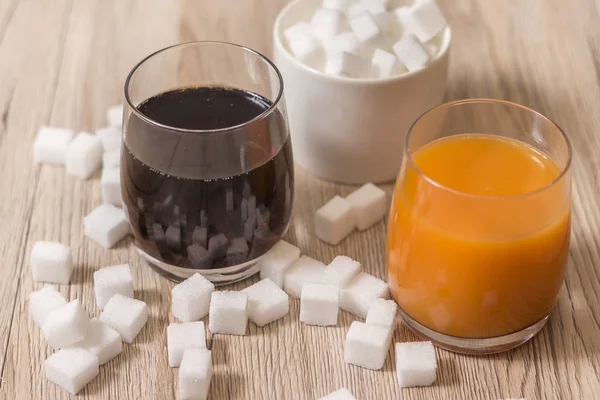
pixel 478 233
pixel 207 173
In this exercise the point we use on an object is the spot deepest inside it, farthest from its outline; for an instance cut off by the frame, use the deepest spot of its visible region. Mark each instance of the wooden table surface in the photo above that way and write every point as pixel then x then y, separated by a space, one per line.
pixel 63 62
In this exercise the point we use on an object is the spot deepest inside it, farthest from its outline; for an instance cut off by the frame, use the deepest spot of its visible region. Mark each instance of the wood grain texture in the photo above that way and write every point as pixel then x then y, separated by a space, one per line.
pixel 63 63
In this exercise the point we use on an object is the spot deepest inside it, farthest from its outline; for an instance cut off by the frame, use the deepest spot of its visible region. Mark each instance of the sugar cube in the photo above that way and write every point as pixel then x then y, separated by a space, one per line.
pixel 237 252
pixel 125 315
pixel 307 51
pixel 191 298
pixel 336 4
pixel 43 302
pixel 106 225
pixel 51 262
pixel 361 291
pixel 109 281
pixel 411 53
pixel 66 325
pixel 200 236
pixel 368 205
pixel 366 345
pixel 110 181
pixel 277 260
pixel 111 159
pixel 195 374
pixel 344 42
pixel 373 6
pixel 415 364
pixel 217 245
pixel 50 145
pixel 319 304
pixel 382 312
pixel 365 28
pixel 71 369
pixel 228 312
pixel 184 336
pixel 266 302
pixel 101 340
pixel 110 137
pixel 424 18
pixel 305 269
pixel 327 23
pixel 84 155
pixel 341 394
pixel 114 115
pixel 355 10
pixel 199 256
pixel 340 271
pixel 383 64
pixel 173 237
pixel 299 30
pixel 334 221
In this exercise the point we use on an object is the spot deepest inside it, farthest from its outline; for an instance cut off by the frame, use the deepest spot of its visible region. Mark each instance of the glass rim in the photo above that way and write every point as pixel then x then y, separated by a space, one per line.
pixel 157 124
pixel 457 192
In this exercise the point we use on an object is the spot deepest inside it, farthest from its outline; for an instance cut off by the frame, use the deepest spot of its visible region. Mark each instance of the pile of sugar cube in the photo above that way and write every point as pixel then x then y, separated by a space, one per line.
pixel 368 38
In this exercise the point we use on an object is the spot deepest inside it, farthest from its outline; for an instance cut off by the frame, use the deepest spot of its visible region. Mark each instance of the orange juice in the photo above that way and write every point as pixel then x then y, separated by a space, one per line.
pixel 478 235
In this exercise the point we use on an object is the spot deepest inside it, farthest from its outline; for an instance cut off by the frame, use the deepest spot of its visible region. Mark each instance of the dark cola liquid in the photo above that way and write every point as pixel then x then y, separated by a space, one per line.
pixel 191 218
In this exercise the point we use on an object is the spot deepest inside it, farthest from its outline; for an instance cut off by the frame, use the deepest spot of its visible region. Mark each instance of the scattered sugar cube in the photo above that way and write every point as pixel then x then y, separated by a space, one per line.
pixel 411 52
pixel 51 262
pixel 266 302
pixel 50 145
pixel 383 63
pixel 101 340
pixel 110 137
pixel 43 302
pixel 366 345
pixel 382 312
pixel 112 159
pixel 217 245
pixel 336 4
pixel 84 155
pixel 111 186
pixel 277 260
pixel 307 51
pixel 109 281
pixel 71 369
pixel 424 19
pixel 341 394
pixel 364 27
pixel 106 225
pixel 334 221
pixel 361 291
pixel 368 205
pixel 344 42
pixel 173 237
pixel 184 336
pixel 228 312
pixel 125 315
pixel 415 364
pixel 305 269
pixel 200 236
pixel 66 325
pixel 340 271
pixel 191 298
pixel 114 115
pixel 298 31
pixel 237 252
pixel 195 374
pixel 199 256
pixel 373 6
pixel 319 304
pixel 327 22
pixel 355 10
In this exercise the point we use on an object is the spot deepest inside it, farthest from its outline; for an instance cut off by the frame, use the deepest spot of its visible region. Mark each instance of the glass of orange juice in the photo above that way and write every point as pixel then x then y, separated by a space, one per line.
pixel 478 232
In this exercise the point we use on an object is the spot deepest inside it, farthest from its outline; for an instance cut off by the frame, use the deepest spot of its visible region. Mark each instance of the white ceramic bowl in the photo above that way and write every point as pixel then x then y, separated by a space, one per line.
pixel 352 130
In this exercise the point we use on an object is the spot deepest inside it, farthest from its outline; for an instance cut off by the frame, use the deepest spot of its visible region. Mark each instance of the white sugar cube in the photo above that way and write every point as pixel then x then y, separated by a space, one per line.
pixel 319 304
pixel 111 159
pixel 109 281
pixel 327 22
pixel 184 336
pixel 200 236
pixel 43 302
pixel 191 298
pixel 298 31
pixel 334 221
pixel 341 394
pixel 340 271
pixel 361 291
pixel 51 262
pixel 415 364
pixel 195 374
pixel 228 312
pixel 366 345
pixel 50 145
pixel 308 51
pixel 373 6
pixel 368 205
pixel 173 237
pixel 66 325
pixel 383 63
pixel 344 42
pixel 217 245
pixel 266 302
pixel 382 312
pixel 84 155
pixel 411 53
pixel 125 315
pixel 277 260
pixel 336 4
pixel 355 10
pixel 305 269
pixel 110 181
pixel 199 257
pixel 101 340
pixel 114 115
pixel 110 137
pixel 424 19
pixel 106 224
pixel 365 28
pixel 71 369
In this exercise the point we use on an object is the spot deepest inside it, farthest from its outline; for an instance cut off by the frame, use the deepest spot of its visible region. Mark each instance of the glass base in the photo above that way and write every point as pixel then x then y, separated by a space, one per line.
pixel 218 276
pixel 479 346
